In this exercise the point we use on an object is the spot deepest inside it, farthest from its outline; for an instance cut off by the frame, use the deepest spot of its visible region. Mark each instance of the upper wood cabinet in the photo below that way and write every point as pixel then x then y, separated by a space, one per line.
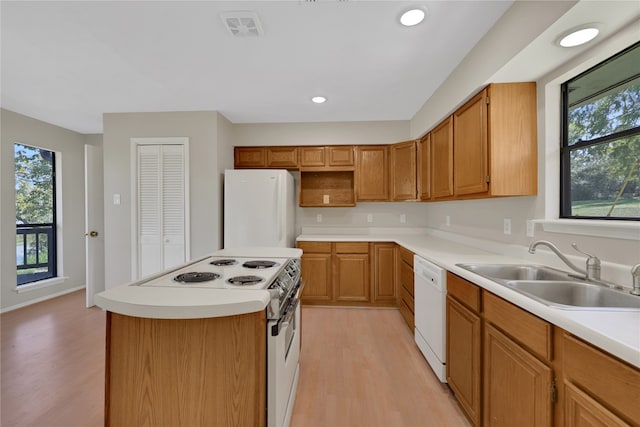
pixel 326 188
pixel 441 138
pixel 372 173
pixel 495 137
pixel 423 178
pixel 284 157
pixel 327 156
pixel 403 171
pixel 249 157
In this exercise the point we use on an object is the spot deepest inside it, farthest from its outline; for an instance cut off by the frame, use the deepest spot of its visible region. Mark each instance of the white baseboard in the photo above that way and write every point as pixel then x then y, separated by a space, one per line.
pixel 44 298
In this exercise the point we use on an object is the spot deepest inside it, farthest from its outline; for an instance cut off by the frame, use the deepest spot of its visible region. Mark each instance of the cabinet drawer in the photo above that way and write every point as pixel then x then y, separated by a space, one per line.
pixel 407 314
pixel 465 292
pixel 615 384
pixel 315 247
pixel 406 255
pixel 406 278
pixel 352 247
pixel 529 330
pixel 407 299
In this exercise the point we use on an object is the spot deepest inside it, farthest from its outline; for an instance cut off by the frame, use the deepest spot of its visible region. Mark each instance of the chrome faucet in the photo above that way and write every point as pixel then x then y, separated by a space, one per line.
pixel 593 263
pixel 635 273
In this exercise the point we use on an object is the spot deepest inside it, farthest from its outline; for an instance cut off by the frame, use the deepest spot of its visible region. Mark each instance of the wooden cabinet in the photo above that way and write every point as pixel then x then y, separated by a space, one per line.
pixel 403 171
pixel 464 345
pixel 599 389
pixel 372 173
pixel 250 157
pixel 327 188
pixel 517 373
pixel 316 271
pixel 517 386
pixel 423 168
pixel 284 157
pixel 495 140
pixel 406 286
pixel 384 272
pixel 351 267
pixel 441 139
pixel 327 156
pixel 349 273
pixel 581 410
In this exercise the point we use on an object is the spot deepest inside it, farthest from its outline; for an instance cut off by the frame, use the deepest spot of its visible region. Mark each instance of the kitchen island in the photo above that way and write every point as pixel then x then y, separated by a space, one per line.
pixel 187 354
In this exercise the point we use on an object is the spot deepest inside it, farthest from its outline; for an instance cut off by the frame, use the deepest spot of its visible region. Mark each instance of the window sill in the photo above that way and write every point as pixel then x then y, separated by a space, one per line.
pixel 40 284
pixel 626 230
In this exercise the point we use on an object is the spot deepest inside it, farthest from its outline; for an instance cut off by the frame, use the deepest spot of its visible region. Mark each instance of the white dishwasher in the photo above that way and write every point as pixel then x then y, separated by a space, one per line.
pixel 430 290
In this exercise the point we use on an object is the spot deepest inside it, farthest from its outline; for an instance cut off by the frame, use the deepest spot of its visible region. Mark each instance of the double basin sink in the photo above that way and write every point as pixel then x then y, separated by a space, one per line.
pixel 556 288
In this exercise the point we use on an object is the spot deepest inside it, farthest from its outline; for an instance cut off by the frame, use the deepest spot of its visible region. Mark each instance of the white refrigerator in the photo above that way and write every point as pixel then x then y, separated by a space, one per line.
pixel 259 208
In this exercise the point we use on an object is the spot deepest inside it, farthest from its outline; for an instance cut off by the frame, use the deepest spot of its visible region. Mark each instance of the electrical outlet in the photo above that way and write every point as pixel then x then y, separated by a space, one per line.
pixel 325 199
pixel 507 226
pixel 116 199
pixel 403 218
pixel 447 221
pixel 319 218
pixel 530 228
pixel 369 217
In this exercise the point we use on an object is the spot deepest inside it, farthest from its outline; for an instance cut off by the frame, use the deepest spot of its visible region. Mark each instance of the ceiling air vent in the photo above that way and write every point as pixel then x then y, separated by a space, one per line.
pixel 242 24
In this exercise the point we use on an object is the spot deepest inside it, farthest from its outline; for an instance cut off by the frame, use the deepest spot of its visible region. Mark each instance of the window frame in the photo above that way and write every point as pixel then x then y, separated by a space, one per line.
pixel 566 149
pixel 52 244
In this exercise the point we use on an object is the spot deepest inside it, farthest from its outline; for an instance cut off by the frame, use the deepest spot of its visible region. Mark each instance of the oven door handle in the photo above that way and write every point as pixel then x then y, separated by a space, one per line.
pixel 284 321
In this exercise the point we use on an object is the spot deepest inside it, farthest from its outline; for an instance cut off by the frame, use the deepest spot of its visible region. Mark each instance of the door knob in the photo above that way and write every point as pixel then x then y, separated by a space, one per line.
pixel 92 234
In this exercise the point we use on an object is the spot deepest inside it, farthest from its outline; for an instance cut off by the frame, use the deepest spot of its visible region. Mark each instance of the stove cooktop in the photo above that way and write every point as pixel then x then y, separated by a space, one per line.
pixel 217 272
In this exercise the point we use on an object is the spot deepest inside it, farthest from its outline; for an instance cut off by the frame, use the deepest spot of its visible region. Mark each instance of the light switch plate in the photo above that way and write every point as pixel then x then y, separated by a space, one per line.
pixel 116 199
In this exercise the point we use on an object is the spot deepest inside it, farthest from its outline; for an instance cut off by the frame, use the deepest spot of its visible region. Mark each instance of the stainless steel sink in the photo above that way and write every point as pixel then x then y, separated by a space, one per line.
pixel 575 295
pixel 556 287
pixel 505 272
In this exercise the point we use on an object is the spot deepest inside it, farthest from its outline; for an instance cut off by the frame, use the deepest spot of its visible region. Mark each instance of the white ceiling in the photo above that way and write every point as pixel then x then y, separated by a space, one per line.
pixel 67 63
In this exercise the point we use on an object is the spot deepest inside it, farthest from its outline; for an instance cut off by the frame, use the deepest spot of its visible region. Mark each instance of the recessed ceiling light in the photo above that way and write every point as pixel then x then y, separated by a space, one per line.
pixel 578 36
pixel 412 17
pixel 318 99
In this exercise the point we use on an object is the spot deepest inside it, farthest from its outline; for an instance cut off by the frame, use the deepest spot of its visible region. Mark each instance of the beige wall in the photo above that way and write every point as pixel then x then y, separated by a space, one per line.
pixel 325 133
pixel 202 130
pixel 69 146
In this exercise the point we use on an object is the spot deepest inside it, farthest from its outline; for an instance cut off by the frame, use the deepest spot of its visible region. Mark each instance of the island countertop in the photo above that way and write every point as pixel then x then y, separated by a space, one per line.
pixel 131 299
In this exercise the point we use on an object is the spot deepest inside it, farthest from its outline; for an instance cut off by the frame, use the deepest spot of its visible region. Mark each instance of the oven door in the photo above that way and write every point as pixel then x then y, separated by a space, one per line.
pixel 283 354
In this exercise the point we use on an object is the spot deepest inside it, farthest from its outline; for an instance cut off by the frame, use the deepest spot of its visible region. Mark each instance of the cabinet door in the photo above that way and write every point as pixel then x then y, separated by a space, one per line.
pixel 403 171
pixel 424 167
pixel 340 155
pixel 316 273
pixel 463 357
pixel 442 159
pixel 352 277
pixel 249 157
pixel 580 410
pixel 517 386
pixel 312 156
pixel 282 157
pixel 470 157
pixel 384 283
pixel 372 173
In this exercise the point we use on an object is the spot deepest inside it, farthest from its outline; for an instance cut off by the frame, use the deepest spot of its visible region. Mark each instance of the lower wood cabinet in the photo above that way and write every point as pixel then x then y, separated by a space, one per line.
pixel 349 273
pixel 517 386
pixel 581 410
pixel 463 357
pixel 406 286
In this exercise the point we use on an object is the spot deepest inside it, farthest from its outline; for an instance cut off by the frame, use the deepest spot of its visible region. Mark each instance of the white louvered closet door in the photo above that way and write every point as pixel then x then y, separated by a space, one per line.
pixel 161 207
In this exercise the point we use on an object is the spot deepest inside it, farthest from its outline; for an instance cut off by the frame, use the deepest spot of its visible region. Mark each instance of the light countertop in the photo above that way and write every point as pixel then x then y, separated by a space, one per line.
pixel 174 303
pixel 617 332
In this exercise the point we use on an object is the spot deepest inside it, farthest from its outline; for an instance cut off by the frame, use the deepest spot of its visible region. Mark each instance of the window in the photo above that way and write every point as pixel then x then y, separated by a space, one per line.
pixel 35 214
pixel 600 154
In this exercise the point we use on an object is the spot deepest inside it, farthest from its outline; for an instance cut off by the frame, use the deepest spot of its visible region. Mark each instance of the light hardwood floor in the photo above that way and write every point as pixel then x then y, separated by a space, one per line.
pixel 359 367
